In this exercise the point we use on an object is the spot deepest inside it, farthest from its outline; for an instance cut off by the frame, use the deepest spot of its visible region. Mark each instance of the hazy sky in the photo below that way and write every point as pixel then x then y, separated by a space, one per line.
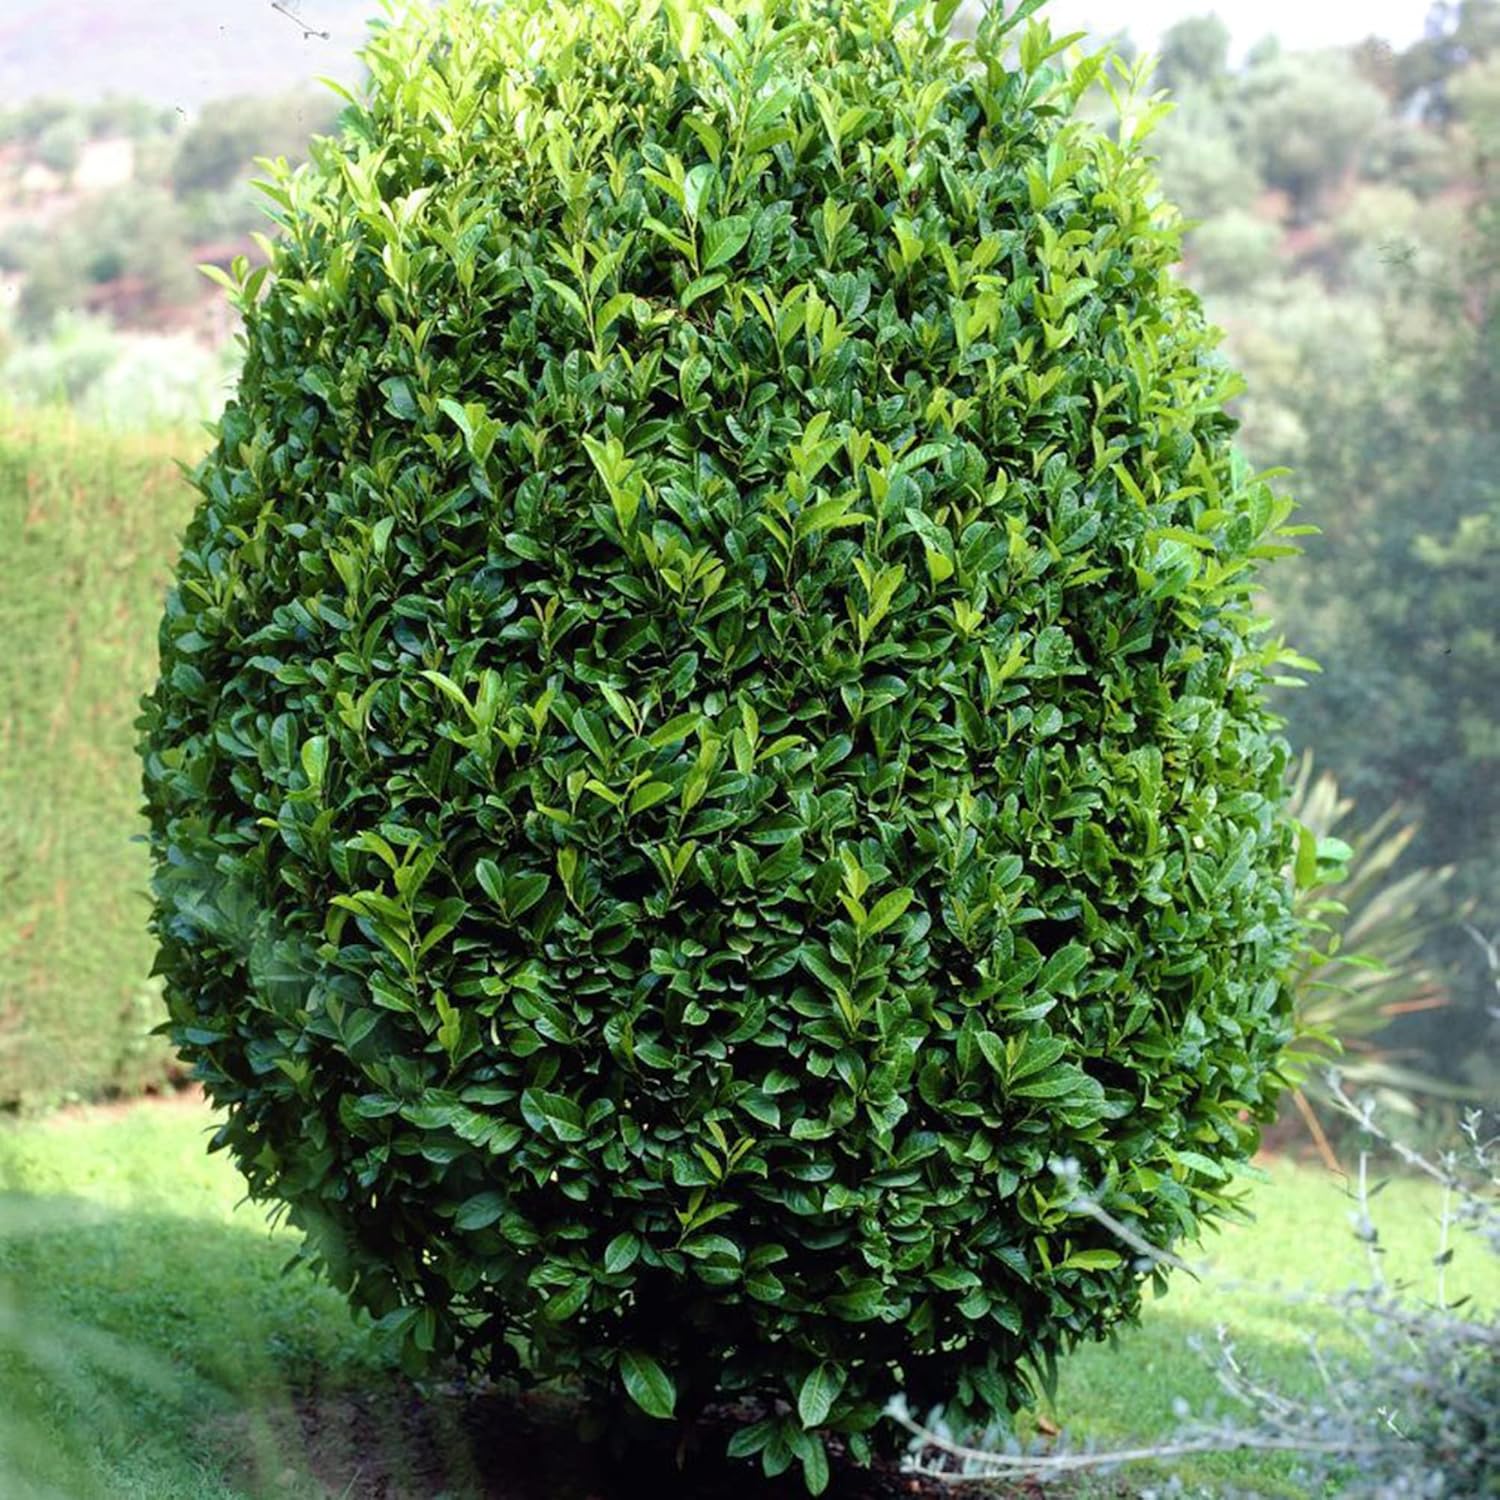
pixel 1298 23
pixel 183 52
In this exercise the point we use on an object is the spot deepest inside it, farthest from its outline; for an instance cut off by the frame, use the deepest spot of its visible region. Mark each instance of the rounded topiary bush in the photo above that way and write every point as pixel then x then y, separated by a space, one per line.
pixel 710 727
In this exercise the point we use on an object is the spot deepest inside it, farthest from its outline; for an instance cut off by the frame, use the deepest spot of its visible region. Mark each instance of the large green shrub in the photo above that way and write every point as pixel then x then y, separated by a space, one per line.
pixel 711 719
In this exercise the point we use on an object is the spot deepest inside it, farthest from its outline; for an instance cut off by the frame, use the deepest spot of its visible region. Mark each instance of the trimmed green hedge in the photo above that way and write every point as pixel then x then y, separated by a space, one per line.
pixel 711 723
pixel 91 522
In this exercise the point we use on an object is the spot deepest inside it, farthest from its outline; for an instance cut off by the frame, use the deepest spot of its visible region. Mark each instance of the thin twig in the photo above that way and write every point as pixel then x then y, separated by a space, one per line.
pixel 1442 1255
pixel 1233 1378
pixel 1063 1463
pixel 1136 1242
pixel 308 32
pixel 1326 1375
pixel 1365 1119
pixel 1366 1227
pixel 1315 1129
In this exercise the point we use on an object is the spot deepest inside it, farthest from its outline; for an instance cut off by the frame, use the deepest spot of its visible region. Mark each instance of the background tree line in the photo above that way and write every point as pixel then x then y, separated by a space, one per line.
pixel 1348 240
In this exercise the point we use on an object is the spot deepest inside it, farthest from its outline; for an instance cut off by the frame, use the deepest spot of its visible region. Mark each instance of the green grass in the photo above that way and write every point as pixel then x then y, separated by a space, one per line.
pixel 146 1320
pixel 90 525
pixel 149 1340
pixel 1301 1240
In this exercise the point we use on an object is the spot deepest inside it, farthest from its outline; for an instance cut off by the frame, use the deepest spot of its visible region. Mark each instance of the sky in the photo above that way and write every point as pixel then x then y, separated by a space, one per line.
pixel 1298 24
pixel 174 52
pixel 183 52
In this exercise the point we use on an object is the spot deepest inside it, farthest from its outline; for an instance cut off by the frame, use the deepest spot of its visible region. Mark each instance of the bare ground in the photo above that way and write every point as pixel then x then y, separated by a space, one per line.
pixel 401 1444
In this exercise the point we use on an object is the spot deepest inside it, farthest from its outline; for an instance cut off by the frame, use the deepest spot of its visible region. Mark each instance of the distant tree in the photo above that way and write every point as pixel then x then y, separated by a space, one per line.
pixel 1265 51
pixel 1307 118
pixel 136 118
pixel 1407 154
pixel 1194 52
pixel 1309 352
pixel 1377 214
pixel 223 142
pixel 1476 102
pixel 1205 167
pixel 59 144
pixel 1398 598
pixel 52 286
pixel 1459 33
pixel 20 241
pixel 1232 252
pixel 136 233
pixel 28 121
pixel 1374 60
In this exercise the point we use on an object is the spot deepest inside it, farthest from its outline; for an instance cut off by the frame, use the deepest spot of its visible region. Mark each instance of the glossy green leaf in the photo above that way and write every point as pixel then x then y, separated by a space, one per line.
pixel 818 1392
pixel 647 1384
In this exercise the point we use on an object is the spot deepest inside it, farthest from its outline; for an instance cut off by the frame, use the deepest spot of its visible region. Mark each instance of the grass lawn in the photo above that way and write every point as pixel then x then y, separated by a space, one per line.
pixel 151 1348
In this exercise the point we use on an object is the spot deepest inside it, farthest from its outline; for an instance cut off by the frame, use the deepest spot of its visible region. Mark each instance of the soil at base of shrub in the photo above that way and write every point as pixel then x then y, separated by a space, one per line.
pixel 399 1443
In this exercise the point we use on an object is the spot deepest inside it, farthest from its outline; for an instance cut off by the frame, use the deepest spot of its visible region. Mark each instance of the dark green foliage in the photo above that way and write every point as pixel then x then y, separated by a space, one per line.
pixel 710 724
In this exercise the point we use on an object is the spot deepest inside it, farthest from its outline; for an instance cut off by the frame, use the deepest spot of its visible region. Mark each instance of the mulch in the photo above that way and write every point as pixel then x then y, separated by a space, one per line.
pixel 399 1443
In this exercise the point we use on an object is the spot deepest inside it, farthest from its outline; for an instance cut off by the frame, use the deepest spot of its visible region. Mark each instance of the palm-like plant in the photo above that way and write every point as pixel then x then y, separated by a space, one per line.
pixel 1362 966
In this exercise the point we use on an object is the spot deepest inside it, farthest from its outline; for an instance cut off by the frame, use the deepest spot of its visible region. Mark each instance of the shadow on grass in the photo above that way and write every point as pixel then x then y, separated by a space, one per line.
pixel 148 1355
pixel 151 1356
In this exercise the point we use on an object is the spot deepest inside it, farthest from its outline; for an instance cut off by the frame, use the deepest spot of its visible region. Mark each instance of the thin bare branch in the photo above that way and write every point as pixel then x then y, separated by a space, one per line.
pixel 1040 1464
pixel 308 32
